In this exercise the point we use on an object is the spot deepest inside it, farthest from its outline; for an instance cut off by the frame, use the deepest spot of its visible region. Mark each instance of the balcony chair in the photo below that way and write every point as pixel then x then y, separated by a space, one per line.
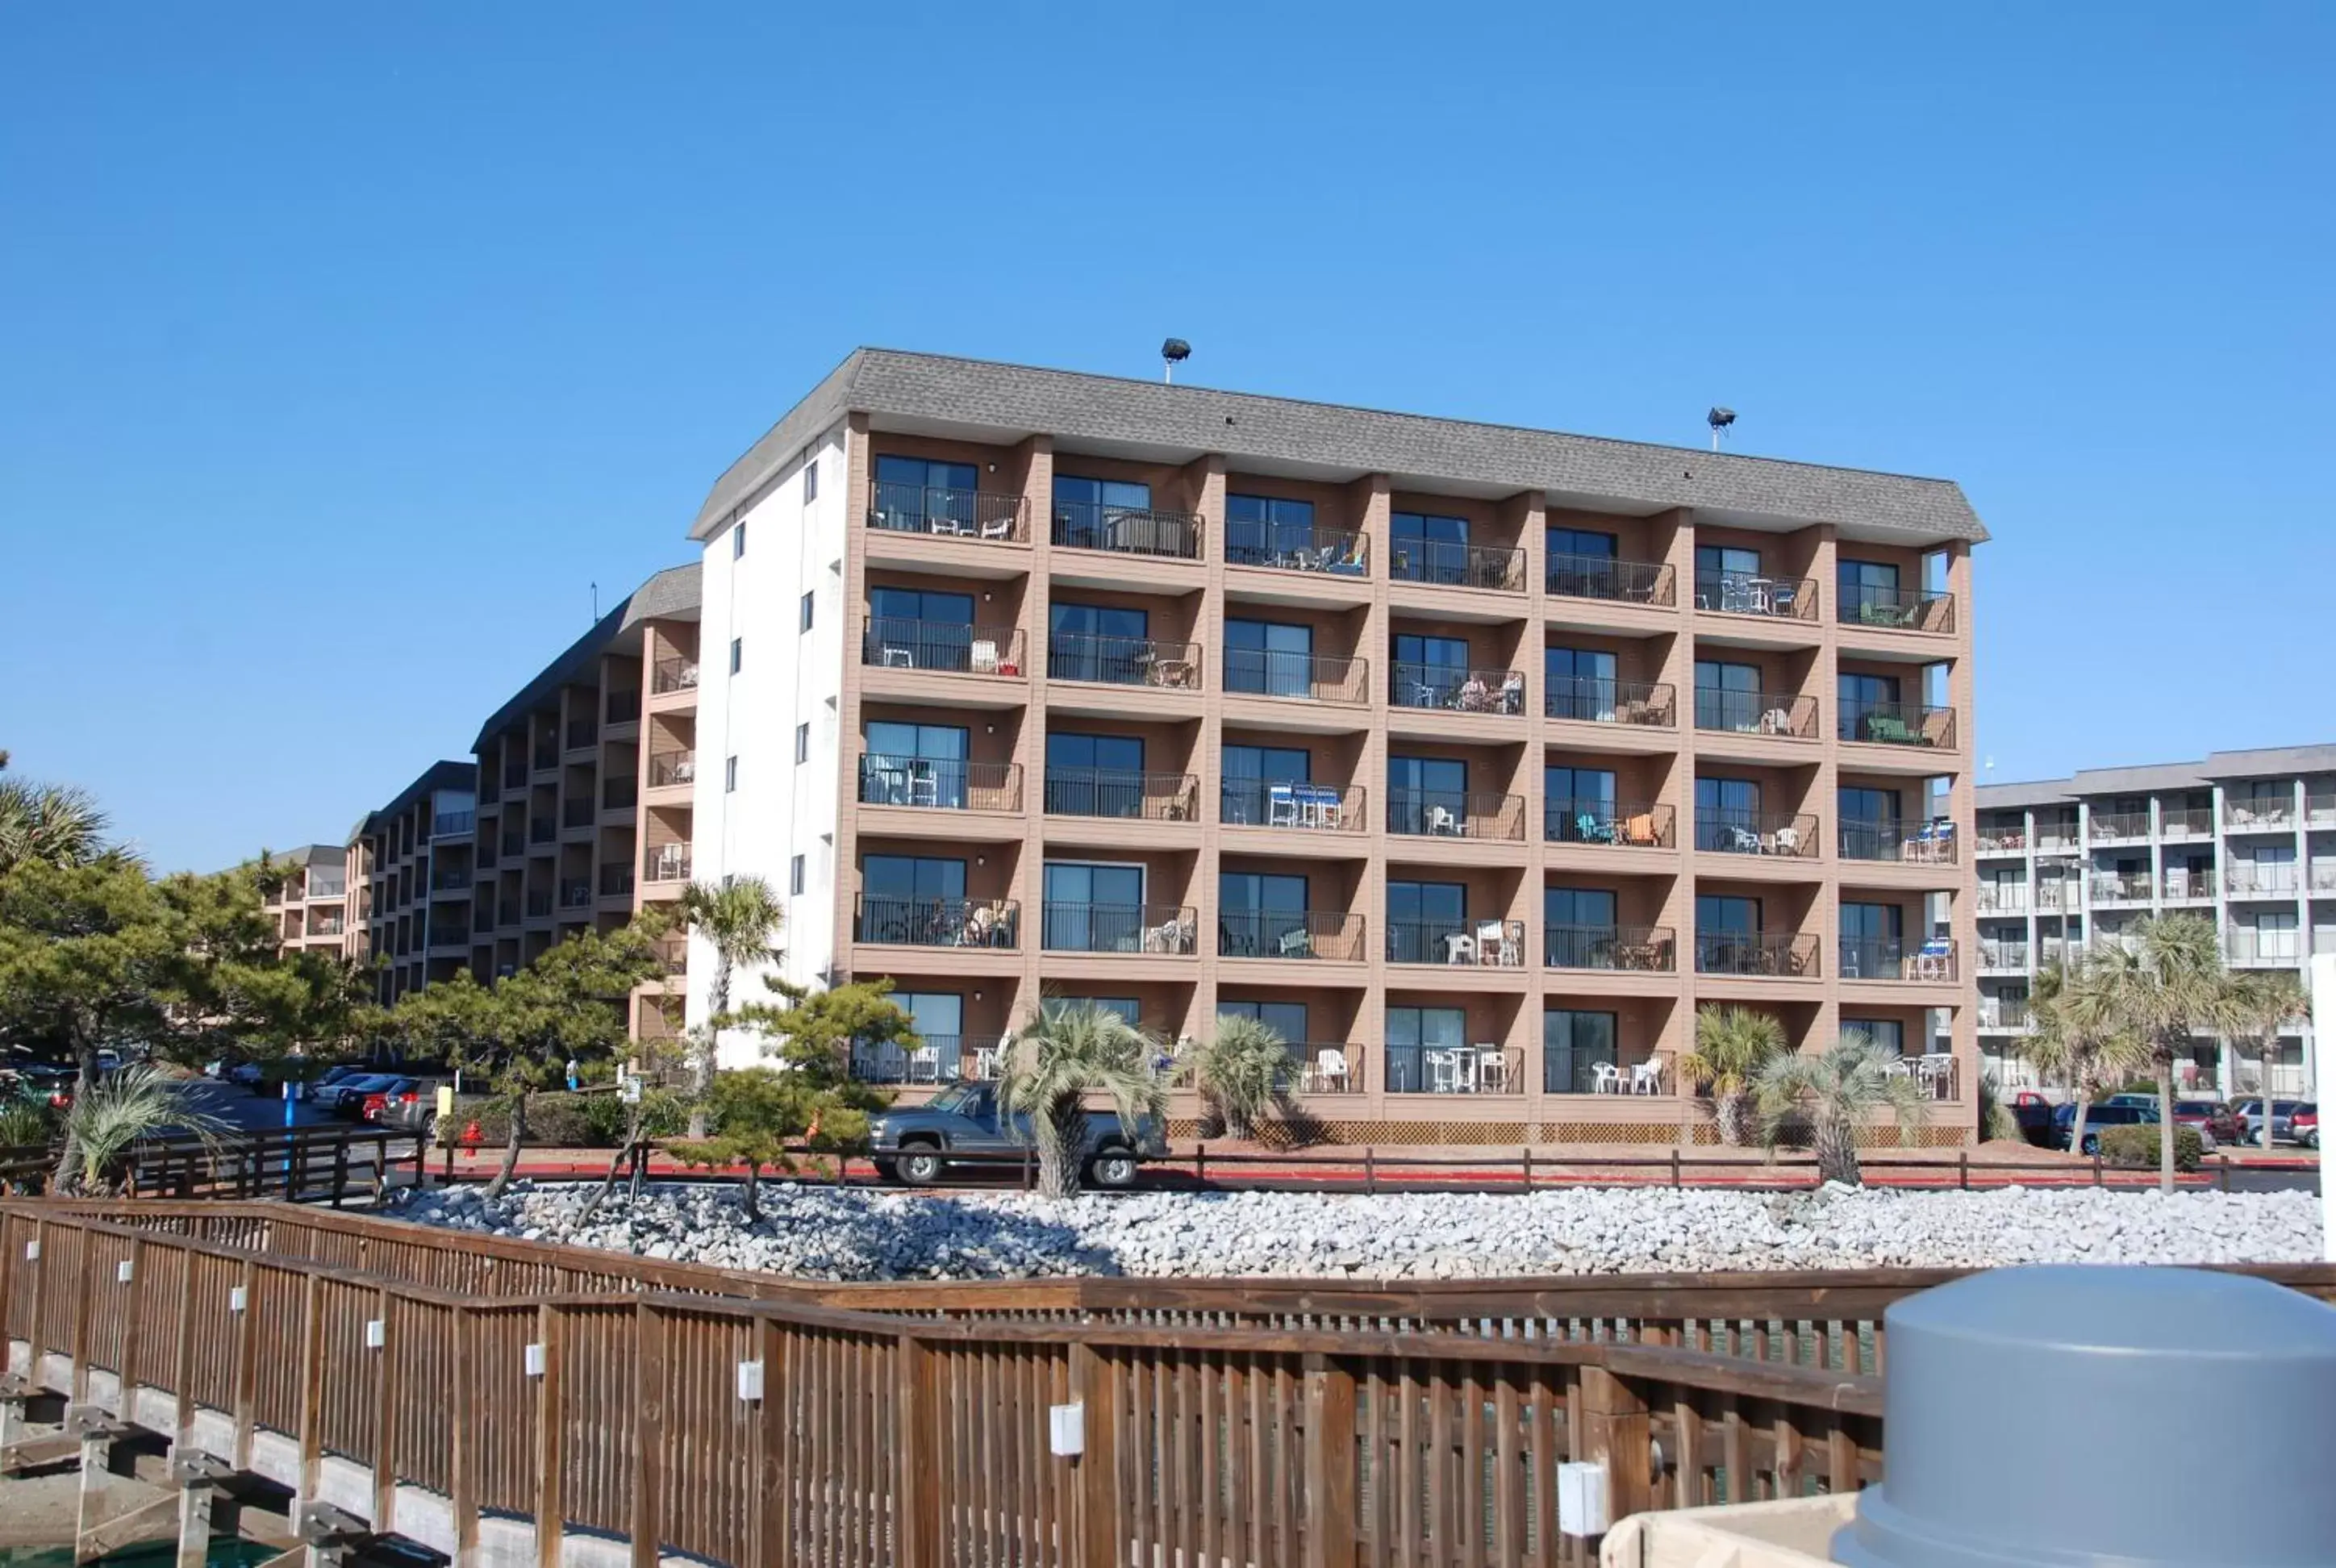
pixel 1936 960
pixel 1282 807
pixel 1786 841
pixel 1777 721
pixel 982 656
pixel 1459 948
pixel 1605 1078
pixel 1441 821
pixel 897 656
pixel 1887 729
pixel 998 527
pixel 1646 1077
pixel 1447 1072
pixel 1496 945
pixel 1328 1073
pixel 1296 944
pixel 925 1064
pixel 1513 693
pixel 1492 1068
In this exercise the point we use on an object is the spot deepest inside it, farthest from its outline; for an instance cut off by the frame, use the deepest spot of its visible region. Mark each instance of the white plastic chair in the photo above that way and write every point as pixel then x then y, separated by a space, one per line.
pixel 1327 1071
pixel 1443 1072
pixel 925 1064
pixel 1647 1077
pixel 1459 948
pixel 1440 820
pixel 982 655
pixel 1491 1065
pixel 1605 1078
pixel 1282 807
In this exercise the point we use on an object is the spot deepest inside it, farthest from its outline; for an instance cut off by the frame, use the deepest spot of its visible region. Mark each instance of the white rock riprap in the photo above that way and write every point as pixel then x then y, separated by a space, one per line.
pixel 821 1233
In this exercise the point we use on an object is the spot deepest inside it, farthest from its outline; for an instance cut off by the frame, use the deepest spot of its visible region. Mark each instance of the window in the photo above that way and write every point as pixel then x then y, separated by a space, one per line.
pixel 1572 1044
pixel 1128 1010
pixel 811 481
pixel 1726 934
pixel 1271 657
pixel 1580 562
pixel 913 765
pixel 1726 696
pixel 1088 512
pixel 803 743
pixel 808 601
pixel 1578 804
pixel 1099 643
pixel 1095 775
pixel 729 774
pixel 1719 569
pixel 1868 698
pixel 921 629
pixel 1870 941
pixel 1287 1019
pixel 1430 549
pixel 1263 916
pixel 739 540
pixel 1248 774
pixel 1420 916
pixel 737 654
pixel 912 899
pixel 1580 682
pixel 1888 1034
pixel 938 1019
pixel 1411 1033
pixel 1727 814
pixel 1866 585
pixel 1428 671
pixel 913 493
pixel 1869 824
pixel 795 875
pixel 1417 785
pixel 1262 530
pixel 1093 908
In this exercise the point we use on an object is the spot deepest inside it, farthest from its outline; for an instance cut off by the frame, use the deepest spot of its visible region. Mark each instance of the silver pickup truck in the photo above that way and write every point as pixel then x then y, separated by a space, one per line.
pixel 913 1144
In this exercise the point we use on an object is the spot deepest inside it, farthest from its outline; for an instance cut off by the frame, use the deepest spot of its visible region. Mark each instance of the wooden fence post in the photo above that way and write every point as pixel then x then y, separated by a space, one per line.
pixel 462 1437
pixel 1614 1433
pixel 1330 1463
pixel 549 1429
pixel 774 1474
pixel 917 1469
pixel 385 1421
pixel 1094 1380
pixel 311 1387
pixel 650 1382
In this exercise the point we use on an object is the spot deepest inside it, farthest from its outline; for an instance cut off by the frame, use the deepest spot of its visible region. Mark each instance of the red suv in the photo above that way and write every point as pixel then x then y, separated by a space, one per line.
pixel 2213 1119
pixel 2305 1124
pixel 387 1105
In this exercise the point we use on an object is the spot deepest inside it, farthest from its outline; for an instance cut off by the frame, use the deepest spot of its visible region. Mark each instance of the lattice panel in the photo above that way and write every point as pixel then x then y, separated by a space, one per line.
pixel 1642 1134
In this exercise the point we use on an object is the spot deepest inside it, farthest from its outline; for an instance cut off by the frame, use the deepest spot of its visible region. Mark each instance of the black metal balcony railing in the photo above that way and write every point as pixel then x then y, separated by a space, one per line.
pixel 1598 701
pixel 1324 1067
pixel 619 795
pixel 672 675
pixel 668 863
pixel 2003 957
pixel 933 1059
pixel 541 831
pixel 447 825
pixel 1888 958
pixel 575 892
pixel 514 774
pixel 1745 832
pixel 1784 955
pixel 507 912
pixel 615 881
pixel 2186 822
pixel 450 936
pixel 670 768
pixel 933 509
pixel 1290 804
pixel 1905 723
pixel 2252 880
pixel 577 813
pixel 1772 713
pixel 1088 792
pixel 1124 660
pixel 954 648
pixel 1475 1069
pixel 2106 825
pixel 1297 547
pixel 1327 934
pixel 1084 927
pixel 2005 1013
pixel 1480 943
pixel 450 881
pixel 513 841
pixel 1306 677
pixel 547 754
pixel 1636 948
pixel 941 784
pixel 538 904
pixel 1500 567
pixel 487 855
pixel 1896 608
pixel 916 922
pixel 1128 530
pixel 1883 839
pixel 1638 824
pixel 1456 814
pixel 622 706
pixel 1601 576
pixel 581 733
pixel 1462 690
pixel 1754 593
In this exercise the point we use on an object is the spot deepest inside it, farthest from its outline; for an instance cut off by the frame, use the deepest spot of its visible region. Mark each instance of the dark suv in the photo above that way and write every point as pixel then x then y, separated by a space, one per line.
pixel 913 1144
pixel 2099 1116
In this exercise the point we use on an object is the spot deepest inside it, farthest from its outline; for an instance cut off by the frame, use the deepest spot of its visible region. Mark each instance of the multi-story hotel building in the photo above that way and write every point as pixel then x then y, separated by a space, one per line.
pixel 310 907
pixel 414 854
pixel 1474 759
pixel 585 791
pixel 2246 839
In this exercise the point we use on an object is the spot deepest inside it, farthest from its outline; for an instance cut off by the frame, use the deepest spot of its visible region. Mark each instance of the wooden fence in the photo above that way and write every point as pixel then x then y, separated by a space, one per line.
pixel 307 1165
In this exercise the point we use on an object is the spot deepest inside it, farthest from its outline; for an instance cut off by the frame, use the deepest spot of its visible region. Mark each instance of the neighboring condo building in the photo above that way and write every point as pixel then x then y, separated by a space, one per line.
pixel 585 783
pixel 415 854
pixel 1474 759
pixel 2246 839
pixel 310 908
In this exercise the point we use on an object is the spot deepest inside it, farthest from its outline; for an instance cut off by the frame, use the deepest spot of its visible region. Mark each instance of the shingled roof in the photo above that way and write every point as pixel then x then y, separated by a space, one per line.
pixel 670 595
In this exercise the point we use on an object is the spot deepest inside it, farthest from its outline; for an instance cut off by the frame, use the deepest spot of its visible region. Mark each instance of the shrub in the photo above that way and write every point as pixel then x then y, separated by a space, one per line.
pixel 555 1121
pixel 663 1115
pixel 2138 1146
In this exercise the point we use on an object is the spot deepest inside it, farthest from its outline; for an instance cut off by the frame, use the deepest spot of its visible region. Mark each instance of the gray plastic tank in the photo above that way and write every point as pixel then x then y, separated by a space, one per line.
pixel 2072 1414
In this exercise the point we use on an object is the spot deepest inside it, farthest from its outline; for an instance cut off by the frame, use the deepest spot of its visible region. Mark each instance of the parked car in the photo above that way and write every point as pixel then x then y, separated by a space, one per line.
pixel 2282 1119
pixel 392 1102
pixel 2211 1119
pixel 2034 1114
pixel 2103 1115
pixel 2305 1124
pixel 912 1144
pixel 43 1083
pixel 345 1097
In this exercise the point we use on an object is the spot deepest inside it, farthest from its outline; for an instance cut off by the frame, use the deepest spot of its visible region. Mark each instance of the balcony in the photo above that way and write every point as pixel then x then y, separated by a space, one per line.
pixel 1479 1069
pixel 1335 678
pixel 1124 661
pixel 2002 1016
pixel 2183 886
pixel 668 769
pixel 897 642
pixel 2003 957
pixel 977 514
pixel 1498 566
pixel 576 893
pixel 489 854
pixel 513 843
pixel 483 918
pixel 1087 927
pixel 547 754
pixel 1466 943
pixel 1756 712
pixel 507 912
pixel 1127 530
pixel 538 904
pixel 673 675
pixel 669 864
pixel 2113 889
pixel 2186 822
pixel 1595 701
pixel 937 1059
pixel 1616 581
pixel 1289 804
pixel 2324 876
pixel 1643 949
pixel 1327 934
pixel 450 936
pixel 1756 953
pixel 577 813
pixel 1324 1067
pixel 939 784
pixel 2258 816
pixel 615 881
pixel 1500 691
pixel 2058 896
pixel 541 831
pixel 1452 815
pixel 514 774
pixel 1887 959
pixel 2279 948
pixel 1737 833
pixel 1752 593
pixel 1896 608
pixel 1635 824
pixel 326 928
pixel 1086 792
pixel 2001 841
pixel 2320 811
pixel 450 881
pixel 2056 836
pixel 1901 724
pixel 2249 880
pixel 2107 827
pixel 450 824
pixel 915 922
pixel 619 795
pixel 1297 547
pixel 1925 843
pixel 622 706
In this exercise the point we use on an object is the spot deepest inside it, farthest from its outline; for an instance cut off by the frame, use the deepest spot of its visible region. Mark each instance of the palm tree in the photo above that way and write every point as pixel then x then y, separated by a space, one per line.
pixel 1731 1046
pixel 1839 1090
pixel 52 824
pixel 2260 1004
pixel 740 917
pixel 2166 985
pixel 2066 1040
pixel 137 1102
pixel 1243 1073
pixel 1064 1054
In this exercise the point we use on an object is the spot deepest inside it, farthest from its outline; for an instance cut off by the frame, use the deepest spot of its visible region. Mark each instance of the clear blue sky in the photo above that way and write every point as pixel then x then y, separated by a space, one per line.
pixel 342 347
